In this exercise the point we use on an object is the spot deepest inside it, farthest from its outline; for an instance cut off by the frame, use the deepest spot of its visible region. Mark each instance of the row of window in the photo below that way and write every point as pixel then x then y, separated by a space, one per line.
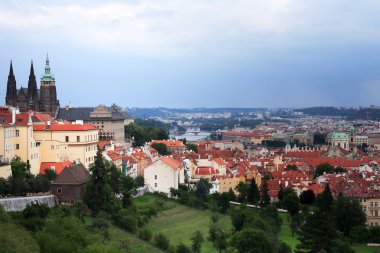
pixel 91 148
pixel 10 133
pixel 91 137
pixel 90 159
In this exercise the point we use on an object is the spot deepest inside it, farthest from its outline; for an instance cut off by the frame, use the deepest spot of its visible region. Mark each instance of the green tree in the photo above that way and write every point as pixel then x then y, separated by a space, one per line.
pixel 307 197
pixel 348 213
pixel 325 200
pixel 220 242
pixel 264 196
pixel 192 147
pixel 323 168
pixel 196 242
pixel 316 234
pixel 224 202
pixel 99 196
pixel 202 189
pixel 291 167
pixel 139 181
pixel 182 248
pixel 253 193
pixel 146 234
pixel 291 203
pixel 80 209
pixel 162 241
pixel 161 148
pixel 251 240
pixel 242 189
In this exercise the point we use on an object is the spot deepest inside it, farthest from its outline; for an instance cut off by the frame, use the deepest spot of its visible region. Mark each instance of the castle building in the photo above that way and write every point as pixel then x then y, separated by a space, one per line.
pixel 40 100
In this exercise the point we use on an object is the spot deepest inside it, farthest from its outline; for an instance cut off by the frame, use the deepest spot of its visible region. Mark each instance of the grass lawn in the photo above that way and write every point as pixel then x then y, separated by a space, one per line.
pixel 120 237
pixel 366 249
pixel 285 234
pixel 179 222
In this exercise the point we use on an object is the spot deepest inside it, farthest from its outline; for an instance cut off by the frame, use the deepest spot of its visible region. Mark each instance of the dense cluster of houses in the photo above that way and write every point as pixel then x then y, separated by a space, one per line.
pixel 69 148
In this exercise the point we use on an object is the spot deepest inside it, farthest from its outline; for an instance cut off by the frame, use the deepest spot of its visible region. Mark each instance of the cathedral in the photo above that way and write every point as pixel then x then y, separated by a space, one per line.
pixel 31 98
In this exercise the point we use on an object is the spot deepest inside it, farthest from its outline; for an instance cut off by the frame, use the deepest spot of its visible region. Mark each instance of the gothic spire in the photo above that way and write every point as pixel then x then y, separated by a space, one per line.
pixel 31 69
pixel 32 85
pixel 11 70
pixel 10 98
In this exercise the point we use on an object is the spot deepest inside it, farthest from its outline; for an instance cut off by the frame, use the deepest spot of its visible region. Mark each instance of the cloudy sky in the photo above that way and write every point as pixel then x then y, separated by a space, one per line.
pixel 198 53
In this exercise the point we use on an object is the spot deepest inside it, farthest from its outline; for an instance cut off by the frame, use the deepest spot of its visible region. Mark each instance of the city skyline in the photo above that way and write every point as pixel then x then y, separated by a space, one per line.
pixel 197 54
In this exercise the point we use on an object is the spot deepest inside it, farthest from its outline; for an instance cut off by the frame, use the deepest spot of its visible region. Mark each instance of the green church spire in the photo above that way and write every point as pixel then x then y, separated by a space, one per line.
pixel 48 76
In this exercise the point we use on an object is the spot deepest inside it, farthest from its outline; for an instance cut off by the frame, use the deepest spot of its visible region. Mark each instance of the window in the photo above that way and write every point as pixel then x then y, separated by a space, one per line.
pixel 59 190
pixel 17 133
pixel 67 138
pixel 17 146
pixel 52 147
pixel 155 185
pixel 78 138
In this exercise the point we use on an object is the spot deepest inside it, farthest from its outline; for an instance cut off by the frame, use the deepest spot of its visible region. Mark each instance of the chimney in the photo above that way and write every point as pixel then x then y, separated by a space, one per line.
pixel 13 116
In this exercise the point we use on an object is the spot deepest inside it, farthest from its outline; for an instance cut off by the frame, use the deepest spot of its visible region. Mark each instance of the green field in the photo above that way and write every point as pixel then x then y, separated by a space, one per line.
pixel 179 222
pixel 285 235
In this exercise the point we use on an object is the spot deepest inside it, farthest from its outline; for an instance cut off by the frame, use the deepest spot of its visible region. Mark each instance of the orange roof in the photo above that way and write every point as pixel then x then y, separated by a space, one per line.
pixel 58 166
pixel 64 127
pixel 43 117
pixel 171 162
pixel 169 143
pixel 219 161
pixel 102 144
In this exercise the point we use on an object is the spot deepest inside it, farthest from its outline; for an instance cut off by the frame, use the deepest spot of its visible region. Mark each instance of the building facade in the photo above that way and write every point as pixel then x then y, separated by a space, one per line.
pixel 110 121
pixel 73 142
pixel 40 100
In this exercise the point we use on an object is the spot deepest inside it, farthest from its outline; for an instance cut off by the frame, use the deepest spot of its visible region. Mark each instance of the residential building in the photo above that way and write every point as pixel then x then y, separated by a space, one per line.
pixel 69 186
pixel 73 142
pixel 164 174
pixel 17 139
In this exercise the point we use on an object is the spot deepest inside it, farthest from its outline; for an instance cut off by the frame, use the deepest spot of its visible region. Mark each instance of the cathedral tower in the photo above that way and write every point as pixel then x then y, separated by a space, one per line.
pixel 11 96
pixel 48 92
pixel 32 91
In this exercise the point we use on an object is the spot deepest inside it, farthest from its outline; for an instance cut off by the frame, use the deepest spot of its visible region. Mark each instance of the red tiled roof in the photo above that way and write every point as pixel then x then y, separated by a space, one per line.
pixel 64 127
pixel 102 144
pixel 59 166
pixel 169 143
pixel 203 171
pixel 171 162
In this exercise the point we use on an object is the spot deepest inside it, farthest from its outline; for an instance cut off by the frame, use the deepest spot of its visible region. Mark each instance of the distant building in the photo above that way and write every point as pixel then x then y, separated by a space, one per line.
pixel 109 120
pixel 172 145
pixel 69 186
pixel 340 139
pixel 41 100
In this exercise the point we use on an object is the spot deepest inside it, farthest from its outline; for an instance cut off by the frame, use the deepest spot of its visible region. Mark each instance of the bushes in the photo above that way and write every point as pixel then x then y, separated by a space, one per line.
pixel 127 220
pixel 162 241
pixel 146 234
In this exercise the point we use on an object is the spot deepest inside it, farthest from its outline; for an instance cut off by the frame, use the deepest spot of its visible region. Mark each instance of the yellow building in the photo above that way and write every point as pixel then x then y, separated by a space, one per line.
pixel 17 139
pixel 227 183
pixel 73 142
pixel 371 208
